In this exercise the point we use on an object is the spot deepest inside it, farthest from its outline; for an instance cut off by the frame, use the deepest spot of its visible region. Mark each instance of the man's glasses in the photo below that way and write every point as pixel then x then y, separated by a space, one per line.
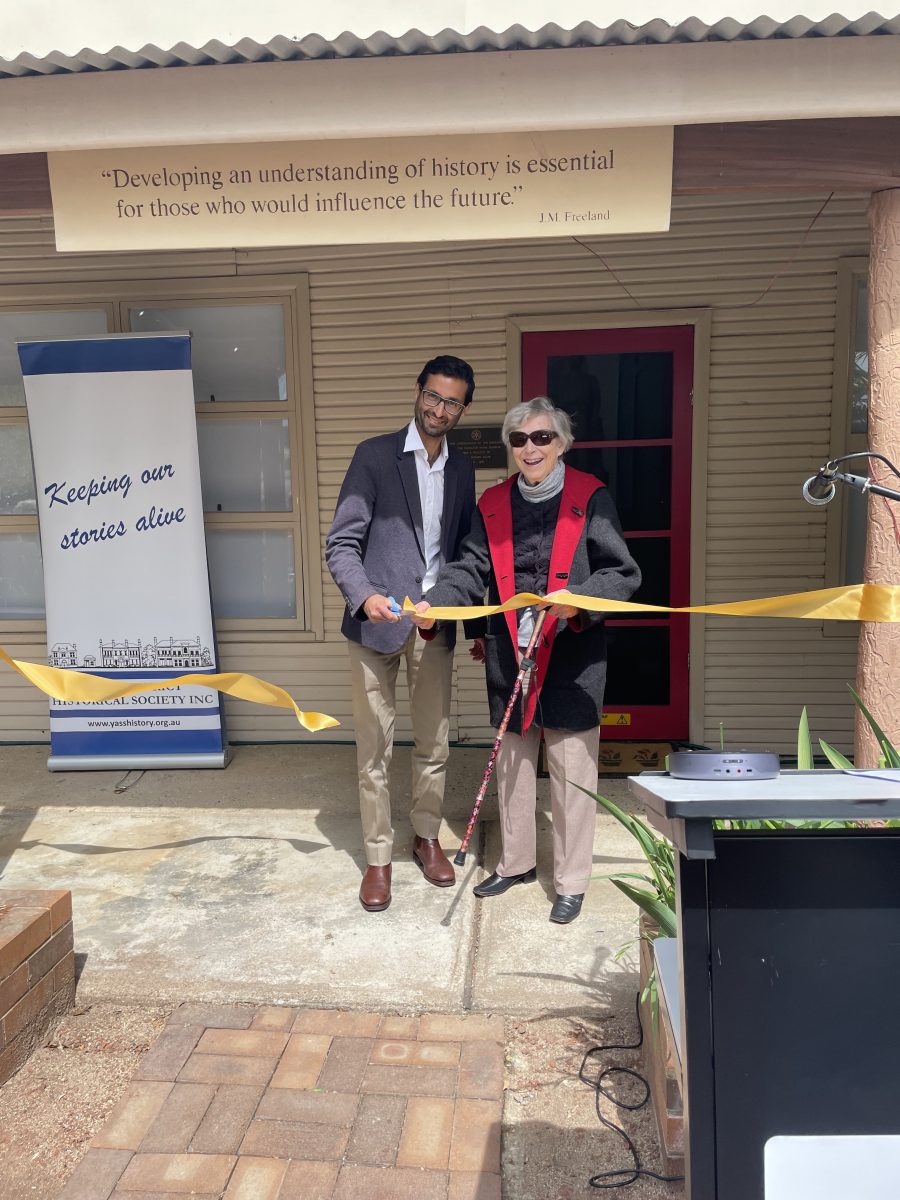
pixel 451 407
pixel 540 437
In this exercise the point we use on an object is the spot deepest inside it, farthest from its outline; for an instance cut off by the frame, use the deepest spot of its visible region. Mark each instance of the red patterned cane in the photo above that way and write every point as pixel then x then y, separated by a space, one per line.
pixel 526 666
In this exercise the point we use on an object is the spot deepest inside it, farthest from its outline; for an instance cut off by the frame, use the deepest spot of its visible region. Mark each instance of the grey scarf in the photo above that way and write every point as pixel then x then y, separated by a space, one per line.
pixel 548 487
pixel 535 494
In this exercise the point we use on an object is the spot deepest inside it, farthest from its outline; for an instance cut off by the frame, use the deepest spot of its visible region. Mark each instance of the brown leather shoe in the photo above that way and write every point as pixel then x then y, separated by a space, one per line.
pixel 375 889
pixel 436 866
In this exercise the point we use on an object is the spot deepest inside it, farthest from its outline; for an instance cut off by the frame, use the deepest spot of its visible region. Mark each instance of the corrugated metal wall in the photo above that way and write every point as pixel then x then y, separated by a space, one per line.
pixel 379 312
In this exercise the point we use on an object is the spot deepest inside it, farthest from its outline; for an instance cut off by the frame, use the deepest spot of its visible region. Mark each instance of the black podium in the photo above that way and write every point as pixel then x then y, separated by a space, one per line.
pixel 789 975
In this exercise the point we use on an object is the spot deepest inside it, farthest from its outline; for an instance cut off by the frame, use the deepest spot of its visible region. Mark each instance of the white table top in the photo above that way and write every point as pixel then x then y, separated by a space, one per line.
pixel 794 795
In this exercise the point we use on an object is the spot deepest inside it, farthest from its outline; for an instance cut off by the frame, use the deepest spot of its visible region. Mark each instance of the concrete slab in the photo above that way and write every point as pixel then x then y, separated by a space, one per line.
pixel 249 905
pixel 525 964
pixel 242 885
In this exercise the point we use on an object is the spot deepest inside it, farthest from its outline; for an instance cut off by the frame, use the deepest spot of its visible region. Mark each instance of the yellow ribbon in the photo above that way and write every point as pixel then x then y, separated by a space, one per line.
pixel 82 686
pixel 878 602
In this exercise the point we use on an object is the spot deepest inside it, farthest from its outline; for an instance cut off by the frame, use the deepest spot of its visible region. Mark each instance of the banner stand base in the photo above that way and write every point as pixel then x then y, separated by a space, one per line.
pixel 137 762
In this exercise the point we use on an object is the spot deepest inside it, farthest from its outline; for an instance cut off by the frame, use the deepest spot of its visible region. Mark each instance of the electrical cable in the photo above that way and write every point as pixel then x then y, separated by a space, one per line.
pixel 620 1177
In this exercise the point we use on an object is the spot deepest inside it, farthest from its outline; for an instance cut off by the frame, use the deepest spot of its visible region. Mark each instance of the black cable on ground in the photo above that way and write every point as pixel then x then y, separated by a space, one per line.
pixel 620 1177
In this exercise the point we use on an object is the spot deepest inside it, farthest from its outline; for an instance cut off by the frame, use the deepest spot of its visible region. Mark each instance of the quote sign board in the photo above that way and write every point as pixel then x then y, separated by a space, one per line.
pixel 114 442
pixel 512 185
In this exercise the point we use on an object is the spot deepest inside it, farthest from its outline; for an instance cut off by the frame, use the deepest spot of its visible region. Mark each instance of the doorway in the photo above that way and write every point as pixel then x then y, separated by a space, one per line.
pixel 629 393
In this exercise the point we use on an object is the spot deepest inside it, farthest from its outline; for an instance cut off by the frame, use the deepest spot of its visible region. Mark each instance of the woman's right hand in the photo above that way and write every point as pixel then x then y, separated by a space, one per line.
pixel 418 617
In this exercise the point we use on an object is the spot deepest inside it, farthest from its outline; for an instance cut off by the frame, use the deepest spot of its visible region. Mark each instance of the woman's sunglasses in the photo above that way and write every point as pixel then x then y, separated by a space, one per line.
pixel 540 437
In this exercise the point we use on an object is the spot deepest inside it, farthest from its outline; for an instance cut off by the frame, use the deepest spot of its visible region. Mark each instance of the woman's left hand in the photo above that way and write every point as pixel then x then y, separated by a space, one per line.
pixel 419 616
pixel 565 612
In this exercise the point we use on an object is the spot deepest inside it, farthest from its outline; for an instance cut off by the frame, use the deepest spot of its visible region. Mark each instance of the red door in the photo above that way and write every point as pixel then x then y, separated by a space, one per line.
pixel 628 392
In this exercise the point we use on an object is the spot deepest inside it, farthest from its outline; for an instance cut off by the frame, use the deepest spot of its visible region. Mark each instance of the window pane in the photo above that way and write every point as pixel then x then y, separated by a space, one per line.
pixel 251 572
pixel 614 397
pixel 15 325
pixel 652 555
pixel 859 363
pixel 639 479
pixel 21 577
pixel 245 465
pixel 237 351
pixel 637 669
pixel 16 476
pixel 857 514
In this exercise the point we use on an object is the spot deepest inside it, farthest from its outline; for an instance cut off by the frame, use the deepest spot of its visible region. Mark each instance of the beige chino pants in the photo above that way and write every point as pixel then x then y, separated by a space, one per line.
pixel 429 668
pixel 571 760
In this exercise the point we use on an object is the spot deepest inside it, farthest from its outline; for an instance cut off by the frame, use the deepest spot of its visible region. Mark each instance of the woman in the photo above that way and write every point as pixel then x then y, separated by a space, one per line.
pixel 545 529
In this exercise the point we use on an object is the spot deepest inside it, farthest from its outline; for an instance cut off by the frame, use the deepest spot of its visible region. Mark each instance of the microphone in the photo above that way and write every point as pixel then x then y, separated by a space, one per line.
pixel 820 488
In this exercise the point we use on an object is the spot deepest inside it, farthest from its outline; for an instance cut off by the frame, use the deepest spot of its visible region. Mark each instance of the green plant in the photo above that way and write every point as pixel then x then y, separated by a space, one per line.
pixel 657 897
pixel 890 756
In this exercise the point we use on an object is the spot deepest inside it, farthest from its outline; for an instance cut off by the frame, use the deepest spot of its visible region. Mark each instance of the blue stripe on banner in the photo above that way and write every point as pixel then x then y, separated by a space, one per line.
pixel 166 710
pixel 147 674
pixel 172 353
pixel 193 741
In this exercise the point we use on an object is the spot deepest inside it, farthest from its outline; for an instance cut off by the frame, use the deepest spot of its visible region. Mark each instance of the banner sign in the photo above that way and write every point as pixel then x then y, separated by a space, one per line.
pixel 114 442
pixel 454 187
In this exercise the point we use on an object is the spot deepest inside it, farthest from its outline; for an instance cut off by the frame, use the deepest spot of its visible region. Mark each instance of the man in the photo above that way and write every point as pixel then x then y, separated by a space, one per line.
pixel 404 508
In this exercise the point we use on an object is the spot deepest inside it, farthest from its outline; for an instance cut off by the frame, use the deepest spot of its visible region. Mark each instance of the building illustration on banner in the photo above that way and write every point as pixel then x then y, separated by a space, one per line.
pixel 162 653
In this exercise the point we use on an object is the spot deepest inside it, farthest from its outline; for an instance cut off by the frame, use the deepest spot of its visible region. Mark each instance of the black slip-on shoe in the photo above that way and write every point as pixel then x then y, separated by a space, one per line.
pixel 496 885
pixel 566 909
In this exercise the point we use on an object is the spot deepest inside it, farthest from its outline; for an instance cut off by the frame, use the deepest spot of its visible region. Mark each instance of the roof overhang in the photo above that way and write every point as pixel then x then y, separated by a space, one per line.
pixel 49 36
pixel 681 84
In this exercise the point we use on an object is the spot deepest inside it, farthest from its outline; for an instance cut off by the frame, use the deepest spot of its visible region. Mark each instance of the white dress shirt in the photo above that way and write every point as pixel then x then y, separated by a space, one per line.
pixel 431 496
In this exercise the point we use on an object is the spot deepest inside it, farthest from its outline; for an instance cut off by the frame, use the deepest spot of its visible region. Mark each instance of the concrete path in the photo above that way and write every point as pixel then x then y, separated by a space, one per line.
pixel 242 885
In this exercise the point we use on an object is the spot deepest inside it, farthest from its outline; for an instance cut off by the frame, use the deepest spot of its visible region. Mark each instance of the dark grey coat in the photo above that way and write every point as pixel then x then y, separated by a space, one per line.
pixel 572 694
pixel 376 542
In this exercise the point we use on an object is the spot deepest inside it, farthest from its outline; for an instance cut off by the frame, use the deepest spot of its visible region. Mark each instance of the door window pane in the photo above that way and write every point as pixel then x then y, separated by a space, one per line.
pixel 237 351
pixel 637 670
pixel 251 572
pixel 14 325
pixel 16 476
pixel 245 465
pixel 614 397
pixel 639 479
pixel 21 577
pixel 653 556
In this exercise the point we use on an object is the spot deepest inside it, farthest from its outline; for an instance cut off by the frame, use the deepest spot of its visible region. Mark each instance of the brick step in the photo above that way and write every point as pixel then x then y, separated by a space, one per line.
pixel 37 970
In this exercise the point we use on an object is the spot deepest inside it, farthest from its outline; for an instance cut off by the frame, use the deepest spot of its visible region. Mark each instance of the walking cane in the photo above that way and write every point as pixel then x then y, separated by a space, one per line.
pixel 526 666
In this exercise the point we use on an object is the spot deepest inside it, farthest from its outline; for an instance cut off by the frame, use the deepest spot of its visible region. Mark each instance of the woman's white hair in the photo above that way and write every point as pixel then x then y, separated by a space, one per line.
pixel 538 407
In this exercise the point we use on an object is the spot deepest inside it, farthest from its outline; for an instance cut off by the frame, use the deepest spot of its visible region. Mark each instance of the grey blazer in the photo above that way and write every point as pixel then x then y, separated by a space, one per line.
pixel 376 541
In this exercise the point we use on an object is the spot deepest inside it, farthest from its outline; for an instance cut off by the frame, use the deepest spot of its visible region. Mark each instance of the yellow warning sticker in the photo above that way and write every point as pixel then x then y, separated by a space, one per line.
pixel 613 718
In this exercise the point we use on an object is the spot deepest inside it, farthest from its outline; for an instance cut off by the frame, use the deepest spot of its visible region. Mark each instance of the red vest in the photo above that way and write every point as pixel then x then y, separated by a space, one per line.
pixel 496 509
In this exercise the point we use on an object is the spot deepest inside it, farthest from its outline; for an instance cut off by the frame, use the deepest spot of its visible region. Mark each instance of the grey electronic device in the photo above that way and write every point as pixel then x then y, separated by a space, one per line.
pixel 721 765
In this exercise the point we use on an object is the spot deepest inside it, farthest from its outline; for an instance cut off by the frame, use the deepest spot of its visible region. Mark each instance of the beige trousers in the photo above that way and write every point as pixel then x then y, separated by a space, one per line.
pixel 429 667
pixel 571 759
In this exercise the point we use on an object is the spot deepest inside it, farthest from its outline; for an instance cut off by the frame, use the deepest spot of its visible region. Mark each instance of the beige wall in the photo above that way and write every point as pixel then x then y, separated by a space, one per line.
pixel 378 313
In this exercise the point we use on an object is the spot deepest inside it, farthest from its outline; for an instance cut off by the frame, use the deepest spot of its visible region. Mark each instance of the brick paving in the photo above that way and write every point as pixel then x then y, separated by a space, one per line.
pixel 241 1103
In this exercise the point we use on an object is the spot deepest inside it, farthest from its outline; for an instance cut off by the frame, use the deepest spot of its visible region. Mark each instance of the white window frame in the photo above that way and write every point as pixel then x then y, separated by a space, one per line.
pixel 292 293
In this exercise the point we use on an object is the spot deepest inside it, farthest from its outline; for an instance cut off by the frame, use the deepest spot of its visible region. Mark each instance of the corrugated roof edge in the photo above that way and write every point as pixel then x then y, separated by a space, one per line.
pixel 348 45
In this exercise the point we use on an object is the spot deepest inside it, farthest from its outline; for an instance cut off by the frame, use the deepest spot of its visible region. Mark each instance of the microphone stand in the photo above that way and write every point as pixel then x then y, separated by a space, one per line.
pixel 828 475
pixel 862 483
